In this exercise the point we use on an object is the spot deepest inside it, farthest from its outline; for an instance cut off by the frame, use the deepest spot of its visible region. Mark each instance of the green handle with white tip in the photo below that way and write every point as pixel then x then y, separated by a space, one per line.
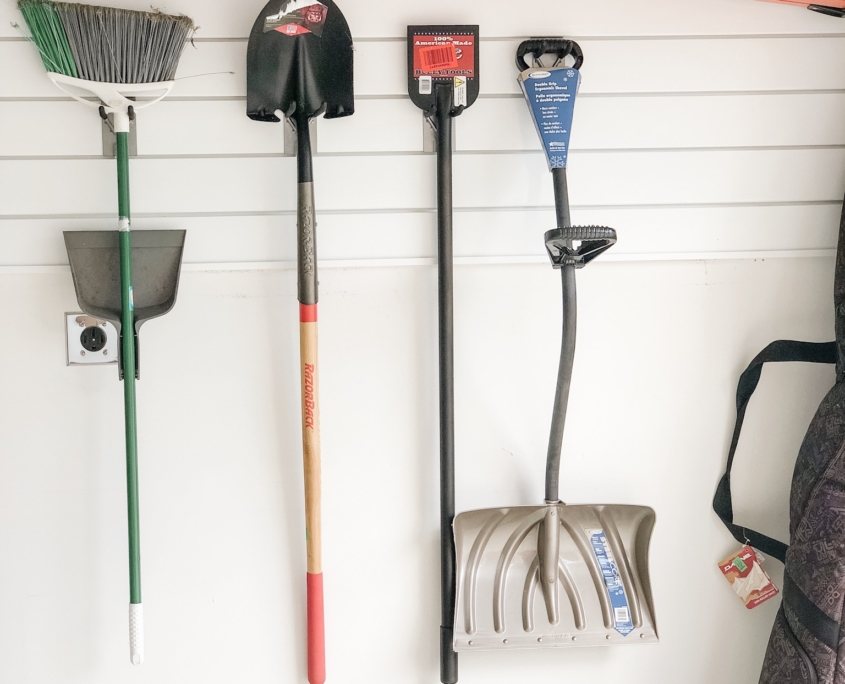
pixel 136 614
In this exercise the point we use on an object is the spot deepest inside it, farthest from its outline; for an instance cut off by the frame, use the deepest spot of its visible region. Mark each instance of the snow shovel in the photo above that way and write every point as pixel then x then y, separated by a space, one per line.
pixel 299 65
pixel 598 554
pixel 443 81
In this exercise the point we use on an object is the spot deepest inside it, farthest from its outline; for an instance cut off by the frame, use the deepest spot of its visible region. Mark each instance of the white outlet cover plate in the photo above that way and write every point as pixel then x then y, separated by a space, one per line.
pixel 75 323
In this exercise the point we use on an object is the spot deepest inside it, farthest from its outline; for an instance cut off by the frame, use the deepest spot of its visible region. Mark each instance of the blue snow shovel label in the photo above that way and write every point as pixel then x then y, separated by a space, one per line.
pixel 612 580
pixel 551 98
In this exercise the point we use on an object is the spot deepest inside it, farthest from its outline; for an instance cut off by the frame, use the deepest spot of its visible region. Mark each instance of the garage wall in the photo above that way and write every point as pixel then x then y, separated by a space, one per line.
pixel 708 134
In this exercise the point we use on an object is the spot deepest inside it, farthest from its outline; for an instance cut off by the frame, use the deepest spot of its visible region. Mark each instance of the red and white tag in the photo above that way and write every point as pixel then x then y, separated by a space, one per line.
pixel 297 18
pixel 444 55
pixel 746 575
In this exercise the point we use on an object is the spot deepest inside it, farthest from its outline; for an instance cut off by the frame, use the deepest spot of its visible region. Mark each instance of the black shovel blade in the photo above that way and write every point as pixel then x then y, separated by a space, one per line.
pixel 95 265
pixel 299 61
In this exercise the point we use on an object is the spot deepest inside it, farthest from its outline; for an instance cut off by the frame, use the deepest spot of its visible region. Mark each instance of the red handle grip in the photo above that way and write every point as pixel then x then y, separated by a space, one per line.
pixel 316 631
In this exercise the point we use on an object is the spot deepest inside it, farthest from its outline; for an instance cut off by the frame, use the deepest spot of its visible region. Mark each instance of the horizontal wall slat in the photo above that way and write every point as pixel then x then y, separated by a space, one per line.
pixel 611 17
pixel 251 239
pixel 493 124
pixel 83 186
pixel 611 66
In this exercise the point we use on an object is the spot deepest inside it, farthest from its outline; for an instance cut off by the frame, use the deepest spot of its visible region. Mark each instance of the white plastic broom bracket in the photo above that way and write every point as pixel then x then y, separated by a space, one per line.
pixel 114 97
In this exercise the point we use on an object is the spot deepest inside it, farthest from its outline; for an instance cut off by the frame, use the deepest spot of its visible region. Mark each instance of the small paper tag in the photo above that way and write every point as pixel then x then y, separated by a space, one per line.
pixel 746 575
pixel 460 92
pixel 425 85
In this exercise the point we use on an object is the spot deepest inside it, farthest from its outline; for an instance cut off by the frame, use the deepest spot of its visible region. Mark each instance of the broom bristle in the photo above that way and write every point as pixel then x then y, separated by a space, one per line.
pixel 106 44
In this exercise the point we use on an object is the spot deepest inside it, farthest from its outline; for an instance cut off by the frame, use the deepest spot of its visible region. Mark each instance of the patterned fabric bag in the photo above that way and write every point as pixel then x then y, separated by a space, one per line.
pixel 807 644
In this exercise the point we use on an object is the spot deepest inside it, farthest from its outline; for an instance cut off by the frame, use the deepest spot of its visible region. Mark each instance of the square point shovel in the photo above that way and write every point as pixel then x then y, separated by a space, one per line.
pixel 596 554
pixel 299 65
pixel 443 80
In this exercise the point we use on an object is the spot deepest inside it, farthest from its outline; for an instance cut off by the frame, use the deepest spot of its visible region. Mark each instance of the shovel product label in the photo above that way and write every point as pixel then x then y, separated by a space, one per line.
pixel 551 98
pixel 444 56
pixel 298 17
pixel 613 581
pixel 460 97
pixel 441 56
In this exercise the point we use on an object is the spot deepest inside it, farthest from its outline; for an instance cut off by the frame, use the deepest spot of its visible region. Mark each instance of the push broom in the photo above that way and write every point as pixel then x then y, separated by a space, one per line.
pixel 114 56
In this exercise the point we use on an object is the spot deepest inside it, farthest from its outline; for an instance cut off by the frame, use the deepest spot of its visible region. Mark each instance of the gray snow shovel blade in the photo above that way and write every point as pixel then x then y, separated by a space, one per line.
pixel 591 570
pixel 95 265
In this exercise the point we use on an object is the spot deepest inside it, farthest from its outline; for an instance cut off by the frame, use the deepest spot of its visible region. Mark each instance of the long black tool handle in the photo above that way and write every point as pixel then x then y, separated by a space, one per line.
pixel 443 123
pixel 567 352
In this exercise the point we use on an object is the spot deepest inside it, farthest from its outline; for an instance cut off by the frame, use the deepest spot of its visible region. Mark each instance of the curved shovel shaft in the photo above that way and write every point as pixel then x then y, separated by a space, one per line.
pixel 128 353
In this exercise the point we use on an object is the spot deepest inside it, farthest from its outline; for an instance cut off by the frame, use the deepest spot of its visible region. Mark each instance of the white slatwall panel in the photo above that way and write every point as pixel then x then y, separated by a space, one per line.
pixel 611 66
pixel 178 128
pixel 196 186
pixel 371 18
pixel 677 120
pixel 664 233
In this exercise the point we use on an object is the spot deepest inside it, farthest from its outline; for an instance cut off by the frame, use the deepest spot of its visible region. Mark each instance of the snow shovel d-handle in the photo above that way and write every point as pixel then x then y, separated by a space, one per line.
pixel 443 81
pixel 126 278
pixel 299 65
pixel 598 554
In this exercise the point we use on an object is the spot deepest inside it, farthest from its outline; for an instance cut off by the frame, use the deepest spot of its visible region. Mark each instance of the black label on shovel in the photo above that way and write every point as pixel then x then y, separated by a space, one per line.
pixel 442 55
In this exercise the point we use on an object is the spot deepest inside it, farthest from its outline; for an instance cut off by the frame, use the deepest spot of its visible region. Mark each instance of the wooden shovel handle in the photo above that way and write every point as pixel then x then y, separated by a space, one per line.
pixel 311 457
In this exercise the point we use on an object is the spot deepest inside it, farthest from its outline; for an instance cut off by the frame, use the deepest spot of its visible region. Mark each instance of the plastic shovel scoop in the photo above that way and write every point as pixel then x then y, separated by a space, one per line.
pixel 555 575
pixel 299 65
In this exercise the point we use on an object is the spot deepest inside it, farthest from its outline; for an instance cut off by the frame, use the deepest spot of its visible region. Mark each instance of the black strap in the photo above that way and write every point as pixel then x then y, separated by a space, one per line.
pixel 813 618
pixel 782 350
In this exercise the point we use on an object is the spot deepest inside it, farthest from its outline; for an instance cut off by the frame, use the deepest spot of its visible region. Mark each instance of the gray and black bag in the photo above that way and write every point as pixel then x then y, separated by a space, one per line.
pixel 806 645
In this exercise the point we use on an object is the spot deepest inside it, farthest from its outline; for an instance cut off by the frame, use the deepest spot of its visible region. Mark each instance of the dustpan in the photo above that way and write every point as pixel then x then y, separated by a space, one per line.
pixel 95 265
pixel 555 575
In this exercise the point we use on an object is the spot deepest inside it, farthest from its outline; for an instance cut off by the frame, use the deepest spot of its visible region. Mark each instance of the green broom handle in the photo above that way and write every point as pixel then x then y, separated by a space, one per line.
pixel 128 353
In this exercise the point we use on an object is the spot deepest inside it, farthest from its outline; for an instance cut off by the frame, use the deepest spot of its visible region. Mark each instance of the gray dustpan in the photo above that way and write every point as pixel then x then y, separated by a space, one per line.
pixel 95 264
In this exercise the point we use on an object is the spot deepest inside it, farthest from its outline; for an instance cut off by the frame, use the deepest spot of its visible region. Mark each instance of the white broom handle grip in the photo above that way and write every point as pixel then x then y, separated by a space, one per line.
pixel 136 633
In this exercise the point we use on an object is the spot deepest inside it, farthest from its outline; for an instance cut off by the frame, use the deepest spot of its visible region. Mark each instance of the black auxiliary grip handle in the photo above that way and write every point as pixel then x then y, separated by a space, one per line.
pixel 548 46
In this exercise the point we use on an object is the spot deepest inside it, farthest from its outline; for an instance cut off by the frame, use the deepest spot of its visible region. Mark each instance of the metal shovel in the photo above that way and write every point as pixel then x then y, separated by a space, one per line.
pixel 443 81
pixel 597 554
pixel 299 65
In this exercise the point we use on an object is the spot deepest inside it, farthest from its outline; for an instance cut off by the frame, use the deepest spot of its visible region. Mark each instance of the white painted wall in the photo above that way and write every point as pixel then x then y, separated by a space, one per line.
pixel 709 134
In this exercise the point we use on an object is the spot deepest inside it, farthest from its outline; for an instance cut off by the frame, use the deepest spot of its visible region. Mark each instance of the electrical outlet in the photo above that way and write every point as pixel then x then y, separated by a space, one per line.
pixel 90 341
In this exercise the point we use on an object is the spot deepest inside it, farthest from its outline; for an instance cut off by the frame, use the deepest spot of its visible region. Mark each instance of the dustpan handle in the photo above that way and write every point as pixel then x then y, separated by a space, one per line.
pixel 567 352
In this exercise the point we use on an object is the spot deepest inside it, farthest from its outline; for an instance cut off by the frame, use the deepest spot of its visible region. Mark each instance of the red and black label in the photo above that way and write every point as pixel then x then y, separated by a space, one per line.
pixel 443 54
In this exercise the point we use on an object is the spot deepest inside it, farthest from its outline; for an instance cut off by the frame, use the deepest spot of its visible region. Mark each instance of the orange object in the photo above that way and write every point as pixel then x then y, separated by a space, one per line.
pixel 826 3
